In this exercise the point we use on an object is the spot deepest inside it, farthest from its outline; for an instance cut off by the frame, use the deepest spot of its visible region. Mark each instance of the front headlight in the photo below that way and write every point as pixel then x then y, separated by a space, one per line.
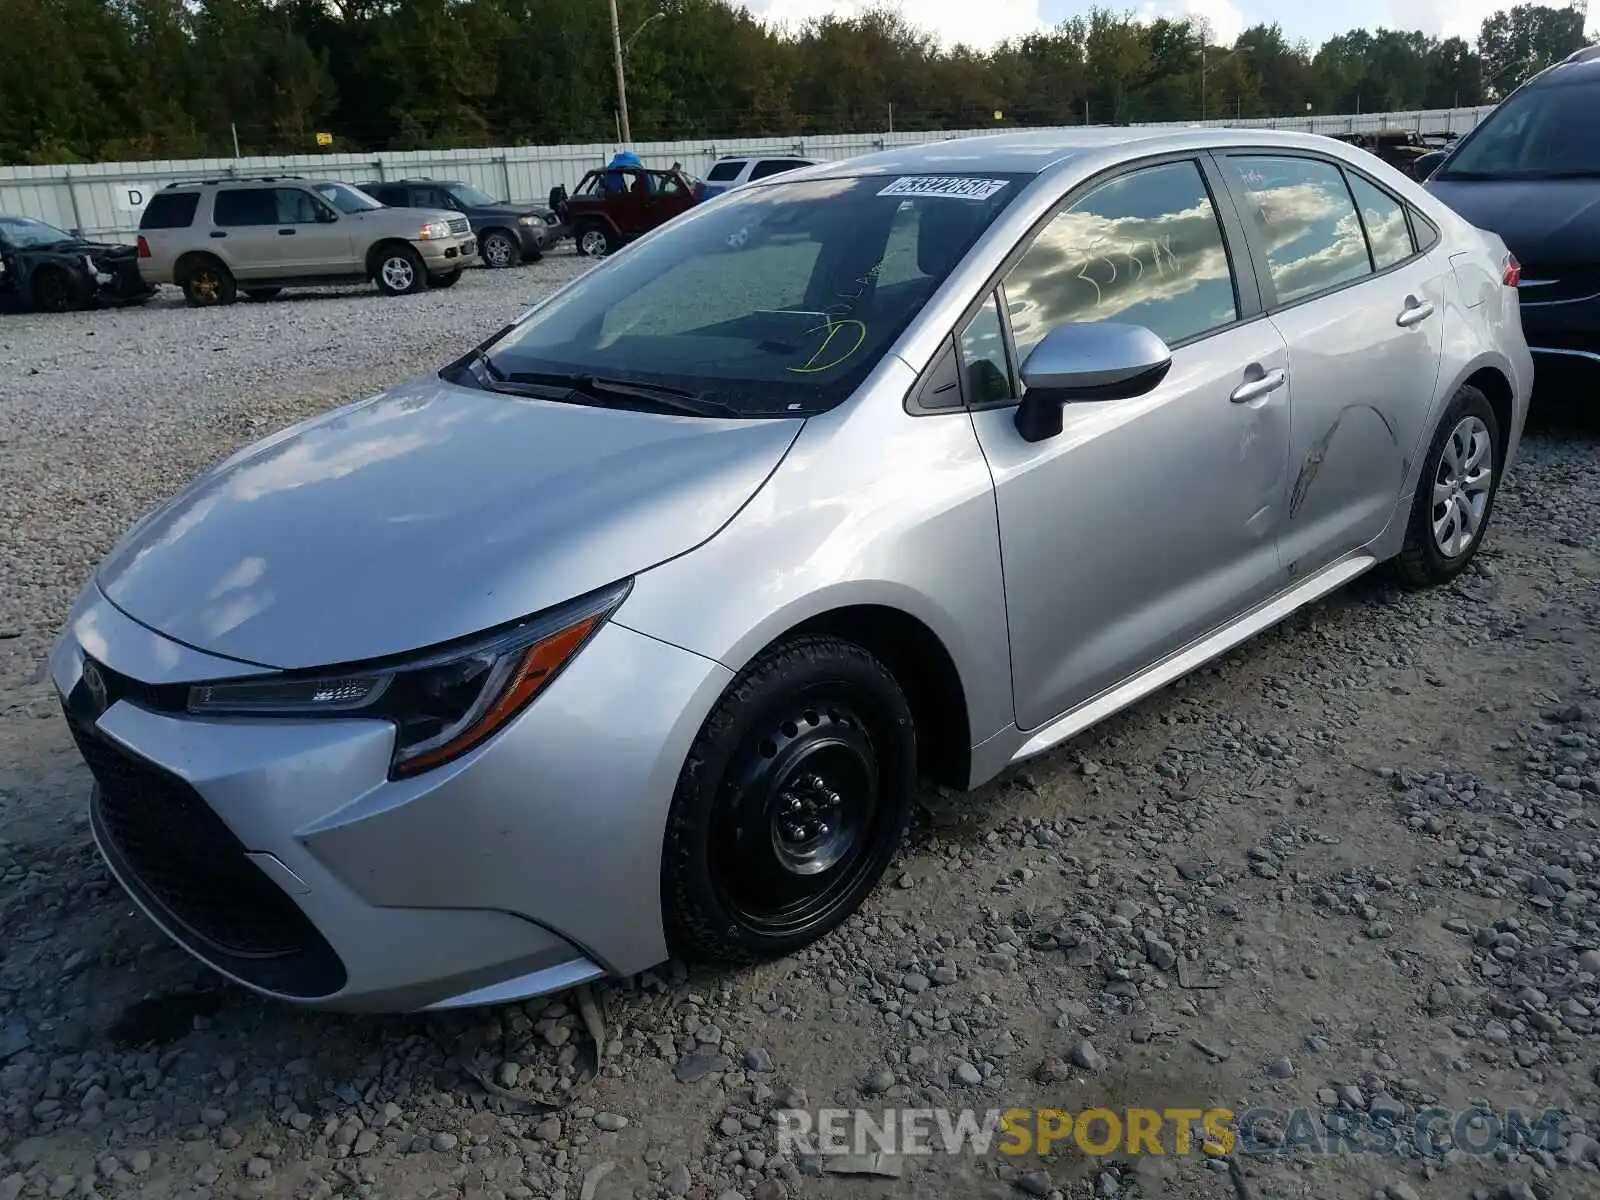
pixel 434 229
pixel 441 704
pixel 528 220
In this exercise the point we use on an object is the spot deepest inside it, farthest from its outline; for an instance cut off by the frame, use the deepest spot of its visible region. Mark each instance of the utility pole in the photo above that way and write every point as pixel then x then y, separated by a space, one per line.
pixel 622 87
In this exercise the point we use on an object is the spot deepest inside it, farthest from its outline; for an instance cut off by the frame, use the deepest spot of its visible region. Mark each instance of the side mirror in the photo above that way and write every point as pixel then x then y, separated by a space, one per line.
pixel 1425 165
pixel 1078 363
pixel 326 215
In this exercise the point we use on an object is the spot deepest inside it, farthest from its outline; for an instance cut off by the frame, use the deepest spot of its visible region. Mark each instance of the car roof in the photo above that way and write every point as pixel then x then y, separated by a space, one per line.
pixel 1581 66
pixel 1034 152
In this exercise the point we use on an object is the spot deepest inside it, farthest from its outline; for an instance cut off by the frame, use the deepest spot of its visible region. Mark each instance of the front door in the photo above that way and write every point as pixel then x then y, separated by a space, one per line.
pixel 313 238
pixel 1362 311
pixel 1146 522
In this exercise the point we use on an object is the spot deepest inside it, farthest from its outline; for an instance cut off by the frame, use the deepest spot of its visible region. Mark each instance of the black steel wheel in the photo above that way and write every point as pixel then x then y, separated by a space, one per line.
pixel 53 291
pixel 792 803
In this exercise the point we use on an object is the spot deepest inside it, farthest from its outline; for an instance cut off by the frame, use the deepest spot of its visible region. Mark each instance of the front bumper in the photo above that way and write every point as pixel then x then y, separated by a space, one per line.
pixel 442 255
pixel 279 853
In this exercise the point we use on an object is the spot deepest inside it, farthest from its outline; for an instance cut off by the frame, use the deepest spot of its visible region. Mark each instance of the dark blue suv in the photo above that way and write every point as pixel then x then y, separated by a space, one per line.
pixel 1531 173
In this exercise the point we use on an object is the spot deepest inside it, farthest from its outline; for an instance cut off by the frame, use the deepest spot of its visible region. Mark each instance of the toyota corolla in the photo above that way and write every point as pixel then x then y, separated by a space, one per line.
pixel 631 632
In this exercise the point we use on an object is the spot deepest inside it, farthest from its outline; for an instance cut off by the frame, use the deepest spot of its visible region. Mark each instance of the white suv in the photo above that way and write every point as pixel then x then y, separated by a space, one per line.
pixel 728 173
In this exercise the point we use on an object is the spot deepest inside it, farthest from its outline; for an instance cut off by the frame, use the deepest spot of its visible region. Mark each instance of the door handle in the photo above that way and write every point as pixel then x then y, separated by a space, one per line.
pixel 1414 314
pixel 285 233
pixel 219 233
pixel 1256 388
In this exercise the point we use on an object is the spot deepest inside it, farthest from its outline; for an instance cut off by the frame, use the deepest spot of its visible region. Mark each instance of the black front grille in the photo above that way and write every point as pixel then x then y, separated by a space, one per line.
pixel 175 854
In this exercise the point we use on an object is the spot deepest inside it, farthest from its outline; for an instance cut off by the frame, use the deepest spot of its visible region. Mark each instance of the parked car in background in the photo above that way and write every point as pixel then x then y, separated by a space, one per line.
pixel 51 270
pixel 508 232
pixel 216 238
pixel 631 631
pixel 729 172
pixel 1402 149
pixel 613 205
pixel 1530 172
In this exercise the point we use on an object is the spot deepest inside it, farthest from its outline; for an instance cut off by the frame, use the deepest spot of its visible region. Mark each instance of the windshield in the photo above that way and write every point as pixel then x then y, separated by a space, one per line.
pixel 774 301
pixel 25 232
pixel 346 198
pixel 1542 132
pixel 472 197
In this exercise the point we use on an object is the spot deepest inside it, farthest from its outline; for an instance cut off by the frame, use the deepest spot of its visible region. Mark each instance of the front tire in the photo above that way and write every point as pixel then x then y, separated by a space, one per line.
pixel 55 291
pixel 1455 494
pixel 499 250
pixel 399 271
pixel 596 240
pixel 791 804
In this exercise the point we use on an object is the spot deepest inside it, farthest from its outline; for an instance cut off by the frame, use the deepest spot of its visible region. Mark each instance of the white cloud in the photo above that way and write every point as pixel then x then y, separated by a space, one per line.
pixel 1222 17
pixel 1445 18
pixel 951 21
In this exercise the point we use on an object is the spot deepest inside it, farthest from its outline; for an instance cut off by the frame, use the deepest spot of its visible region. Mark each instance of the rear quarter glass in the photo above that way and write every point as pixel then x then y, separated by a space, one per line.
pixel 170 210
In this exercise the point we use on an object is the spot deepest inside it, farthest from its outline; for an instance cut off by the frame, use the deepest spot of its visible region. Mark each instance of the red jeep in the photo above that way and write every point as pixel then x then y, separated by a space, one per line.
pixel 613 205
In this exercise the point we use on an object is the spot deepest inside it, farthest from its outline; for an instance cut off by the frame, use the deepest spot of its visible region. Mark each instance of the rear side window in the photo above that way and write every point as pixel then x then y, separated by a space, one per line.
pixel 1145 248
pixel 774 166
pixel 170 210
pixel 1427 233
pixel 1308 221
pixel 246 206
pixel 1384 219
pixel 723 172
pixel 394 197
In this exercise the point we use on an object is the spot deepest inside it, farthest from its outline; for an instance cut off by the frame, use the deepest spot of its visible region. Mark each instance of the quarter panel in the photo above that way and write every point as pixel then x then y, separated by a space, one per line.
pixel 871 506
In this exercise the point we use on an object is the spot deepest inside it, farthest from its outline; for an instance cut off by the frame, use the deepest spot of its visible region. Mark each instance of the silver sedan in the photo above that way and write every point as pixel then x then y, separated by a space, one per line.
pixel 631 632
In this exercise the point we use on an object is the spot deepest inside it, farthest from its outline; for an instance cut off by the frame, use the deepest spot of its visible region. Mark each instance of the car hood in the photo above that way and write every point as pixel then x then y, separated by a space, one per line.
pixel 1546 222
pixel 80 246
pixel 427 513
pixel 511 210
pixel 405 216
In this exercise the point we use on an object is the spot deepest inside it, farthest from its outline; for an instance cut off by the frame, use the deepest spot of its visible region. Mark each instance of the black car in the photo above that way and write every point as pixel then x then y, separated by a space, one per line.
pixel 51 270
pixel 507 233
pixel 1531 173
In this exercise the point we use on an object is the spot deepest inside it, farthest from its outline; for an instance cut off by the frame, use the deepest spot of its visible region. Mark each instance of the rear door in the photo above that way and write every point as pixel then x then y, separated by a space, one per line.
pixel 1362 312
pixel 245 236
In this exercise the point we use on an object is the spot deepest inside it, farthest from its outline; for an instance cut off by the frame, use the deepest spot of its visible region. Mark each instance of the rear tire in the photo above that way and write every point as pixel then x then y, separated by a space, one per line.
pixel 499 250
pixel 207 283
pixel 398 271
pixel 1455 494
pixel 792 802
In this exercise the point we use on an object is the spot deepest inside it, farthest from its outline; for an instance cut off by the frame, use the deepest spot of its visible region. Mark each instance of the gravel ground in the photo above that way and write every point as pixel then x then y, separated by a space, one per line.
pixel 1351 869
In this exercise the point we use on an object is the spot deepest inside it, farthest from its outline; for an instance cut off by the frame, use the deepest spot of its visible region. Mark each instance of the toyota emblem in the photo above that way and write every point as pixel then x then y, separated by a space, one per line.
pixel 96 683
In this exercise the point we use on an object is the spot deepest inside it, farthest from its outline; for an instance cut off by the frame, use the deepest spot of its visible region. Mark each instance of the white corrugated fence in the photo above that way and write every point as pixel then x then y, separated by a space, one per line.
pixel 103 200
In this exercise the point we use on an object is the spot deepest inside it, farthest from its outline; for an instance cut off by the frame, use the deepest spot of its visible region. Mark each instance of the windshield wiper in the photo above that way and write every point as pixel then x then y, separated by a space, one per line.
pixel 658 396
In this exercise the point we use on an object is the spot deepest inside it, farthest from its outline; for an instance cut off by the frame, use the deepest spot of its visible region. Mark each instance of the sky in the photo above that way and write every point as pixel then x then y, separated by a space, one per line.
pixel 984 23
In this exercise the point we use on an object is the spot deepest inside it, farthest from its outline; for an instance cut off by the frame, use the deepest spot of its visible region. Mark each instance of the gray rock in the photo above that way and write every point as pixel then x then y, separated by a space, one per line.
pixel 876 1080
pixel 610 1122
pixel 445 1142
pixel 677 1181
pixel 1086 1056
pixel 1035 1183
pixel 968 1074
pixel 758 1060
pixel 1280 1068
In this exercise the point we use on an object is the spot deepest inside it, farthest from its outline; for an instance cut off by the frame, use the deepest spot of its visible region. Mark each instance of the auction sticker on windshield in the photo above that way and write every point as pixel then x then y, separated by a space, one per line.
pixel 954 187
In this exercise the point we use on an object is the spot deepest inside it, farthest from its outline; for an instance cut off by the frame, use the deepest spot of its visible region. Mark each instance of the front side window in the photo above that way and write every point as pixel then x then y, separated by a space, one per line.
pixel 1543 132
pixel 590 186
pixel 1384 219
pixel 1145 248
pixel 1306 217
pixel 295 207
pixel 346 198
pixel 773 301
pixel 245 206
pixel 984 367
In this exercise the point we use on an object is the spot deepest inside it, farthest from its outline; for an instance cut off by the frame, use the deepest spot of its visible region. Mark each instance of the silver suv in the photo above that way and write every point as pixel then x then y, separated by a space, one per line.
pixel 259 236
